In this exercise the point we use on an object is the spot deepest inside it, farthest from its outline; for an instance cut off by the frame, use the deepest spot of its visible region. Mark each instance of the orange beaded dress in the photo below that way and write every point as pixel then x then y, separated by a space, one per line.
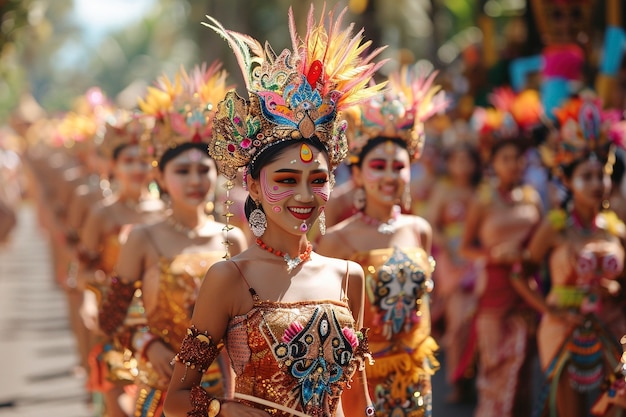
pixel 179 282
pixel 294 359
pixel 397 305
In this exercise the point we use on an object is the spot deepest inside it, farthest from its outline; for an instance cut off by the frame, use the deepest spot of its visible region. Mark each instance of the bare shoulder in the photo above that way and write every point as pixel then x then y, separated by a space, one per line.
pixel 334 241
pixel 419 224
pixel 138 239
pixel 342 267
pixel 236 236
pixel 222 274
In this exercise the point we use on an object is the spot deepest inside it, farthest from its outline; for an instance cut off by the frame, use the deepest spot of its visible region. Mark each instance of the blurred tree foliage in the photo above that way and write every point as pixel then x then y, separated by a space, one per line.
pixel 37 34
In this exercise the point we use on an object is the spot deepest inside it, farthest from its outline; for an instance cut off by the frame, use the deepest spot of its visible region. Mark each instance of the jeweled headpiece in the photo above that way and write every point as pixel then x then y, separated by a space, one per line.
pixel 294 95
pixel 183 107
pixel 410 99
pixel 586 129
pixel 121 129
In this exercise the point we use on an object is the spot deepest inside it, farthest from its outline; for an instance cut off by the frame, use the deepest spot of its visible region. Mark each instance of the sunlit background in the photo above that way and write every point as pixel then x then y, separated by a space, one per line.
pixel 56 49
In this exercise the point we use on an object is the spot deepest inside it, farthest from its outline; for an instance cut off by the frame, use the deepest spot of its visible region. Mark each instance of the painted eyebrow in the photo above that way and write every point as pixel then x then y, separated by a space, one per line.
pixel 297 171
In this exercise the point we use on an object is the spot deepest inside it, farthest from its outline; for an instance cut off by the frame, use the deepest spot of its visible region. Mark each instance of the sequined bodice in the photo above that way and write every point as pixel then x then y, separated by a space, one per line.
pixel 591 265
pixel 585 266
pixel 395 283
pixel 298 355
pixel 179 282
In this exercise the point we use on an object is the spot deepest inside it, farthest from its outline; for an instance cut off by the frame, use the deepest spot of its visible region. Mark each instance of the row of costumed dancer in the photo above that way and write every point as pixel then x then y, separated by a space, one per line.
pixel 257 293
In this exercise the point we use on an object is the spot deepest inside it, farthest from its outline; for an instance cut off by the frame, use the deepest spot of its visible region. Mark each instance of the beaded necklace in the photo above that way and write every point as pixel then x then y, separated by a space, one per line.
pixel 386 228
pixel 186 230
pixel 292 263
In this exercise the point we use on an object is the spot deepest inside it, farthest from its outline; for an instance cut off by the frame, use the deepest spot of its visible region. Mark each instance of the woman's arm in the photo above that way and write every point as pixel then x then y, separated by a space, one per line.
pixel 218 301
pixel 356 399
pixel 468 248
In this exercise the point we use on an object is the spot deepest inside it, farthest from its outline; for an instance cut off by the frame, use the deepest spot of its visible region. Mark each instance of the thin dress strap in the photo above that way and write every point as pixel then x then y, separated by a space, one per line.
pixel 252 291
pixel 344 297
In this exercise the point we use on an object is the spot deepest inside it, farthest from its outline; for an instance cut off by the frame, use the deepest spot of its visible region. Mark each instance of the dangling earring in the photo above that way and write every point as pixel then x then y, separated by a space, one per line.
pixel 359 199
pixel 406 198
pixel 606 204
pixel 257 221
pixel 209 208
pixel 322 222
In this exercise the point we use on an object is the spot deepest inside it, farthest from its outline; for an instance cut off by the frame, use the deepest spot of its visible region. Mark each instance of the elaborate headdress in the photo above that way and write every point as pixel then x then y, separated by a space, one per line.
pixel 80 126
pixel 585 129
pixel 411 98
pixel 183 108
pixel 121 129
pixel 512 118
pixel 294 95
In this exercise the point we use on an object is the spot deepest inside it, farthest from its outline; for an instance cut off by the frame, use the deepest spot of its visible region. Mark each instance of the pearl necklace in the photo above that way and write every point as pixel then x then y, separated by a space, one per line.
pixel 181 228
pixel 292 263
pixel 386 228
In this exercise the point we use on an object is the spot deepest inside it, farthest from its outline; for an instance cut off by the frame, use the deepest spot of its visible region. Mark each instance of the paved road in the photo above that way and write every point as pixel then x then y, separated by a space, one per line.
pixel 37 351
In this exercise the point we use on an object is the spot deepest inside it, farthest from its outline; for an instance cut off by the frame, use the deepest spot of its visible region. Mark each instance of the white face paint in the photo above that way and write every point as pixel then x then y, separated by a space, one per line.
pixel 578 184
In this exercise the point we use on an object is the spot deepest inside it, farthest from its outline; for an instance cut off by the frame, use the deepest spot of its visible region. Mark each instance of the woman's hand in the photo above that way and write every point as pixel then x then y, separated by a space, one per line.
pixel 160 357
pixel 236 409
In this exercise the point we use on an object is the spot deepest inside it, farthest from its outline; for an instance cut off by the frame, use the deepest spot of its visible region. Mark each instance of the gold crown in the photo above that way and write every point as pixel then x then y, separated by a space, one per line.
pixel 410 99
pixel 183 108
pixel 294 95
pixel 121 129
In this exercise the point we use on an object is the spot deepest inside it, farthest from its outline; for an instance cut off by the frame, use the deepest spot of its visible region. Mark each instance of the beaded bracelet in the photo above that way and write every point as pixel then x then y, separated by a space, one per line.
pixel 197 351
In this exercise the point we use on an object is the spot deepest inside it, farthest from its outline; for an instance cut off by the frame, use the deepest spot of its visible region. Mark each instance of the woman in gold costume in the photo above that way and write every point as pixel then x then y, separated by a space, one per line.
pixel 289 318
pixel 168 260
pixel 385 136
pixel 100 242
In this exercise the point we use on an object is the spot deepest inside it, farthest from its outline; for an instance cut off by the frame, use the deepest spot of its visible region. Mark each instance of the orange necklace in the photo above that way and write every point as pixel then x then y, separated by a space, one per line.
pixel 292 263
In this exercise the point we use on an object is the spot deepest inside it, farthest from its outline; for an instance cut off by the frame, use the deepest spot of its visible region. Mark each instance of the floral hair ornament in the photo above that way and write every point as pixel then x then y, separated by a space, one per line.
pixel 512 118
pixel 121 128
pixel 295 95
pixel 586 129
pixel 183 108
pixel 410 99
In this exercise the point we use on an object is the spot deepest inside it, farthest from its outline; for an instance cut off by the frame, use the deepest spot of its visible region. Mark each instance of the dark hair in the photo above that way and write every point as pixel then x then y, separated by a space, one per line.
pixel 372 143
pixel 499 144
pixel 118 150
pixel 270 154
pixel 172 153
pixel 477 175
